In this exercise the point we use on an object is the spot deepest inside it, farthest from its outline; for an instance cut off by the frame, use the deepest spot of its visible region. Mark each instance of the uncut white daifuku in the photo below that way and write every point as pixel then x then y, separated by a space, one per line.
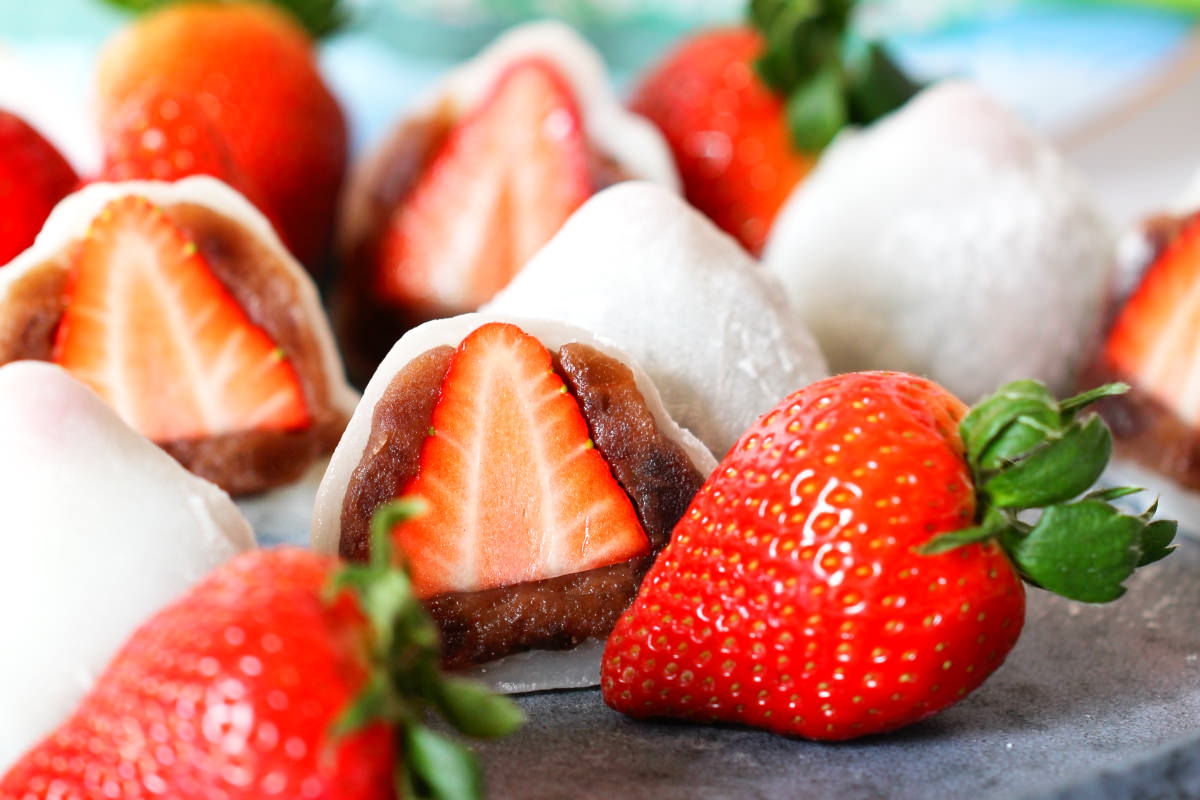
pixel 640 267
pixel 950 241
pixel 99 529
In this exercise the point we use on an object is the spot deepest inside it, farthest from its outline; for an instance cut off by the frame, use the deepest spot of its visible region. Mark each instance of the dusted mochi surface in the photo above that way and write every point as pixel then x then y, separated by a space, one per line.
pixel 716 332
pixel 1189 200
pixel 72 217
pixel 631 141
pixel 99 529
pixel 537 670
pixel 950 241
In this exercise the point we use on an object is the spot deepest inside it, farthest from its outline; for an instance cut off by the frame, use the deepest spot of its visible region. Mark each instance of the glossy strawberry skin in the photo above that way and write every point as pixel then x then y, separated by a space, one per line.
pixel 228 693
pixel 790 596
pixel 33 178
pixel 727 131
pixel 255 73
pixel 161 136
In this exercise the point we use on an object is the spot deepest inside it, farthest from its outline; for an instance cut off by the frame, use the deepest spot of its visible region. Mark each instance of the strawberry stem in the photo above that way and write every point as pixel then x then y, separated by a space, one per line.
pixel 406 684
pixel 830 76
pixel 1029 452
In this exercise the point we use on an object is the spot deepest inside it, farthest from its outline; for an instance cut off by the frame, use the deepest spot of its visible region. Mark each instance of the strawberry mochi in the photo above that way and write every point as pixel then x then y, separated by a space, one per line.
pixel 177 304
pixel 716 332
pixel 947 240
pixel 551 471
pixel 1151 344
pixel 476 178
pixel 101 529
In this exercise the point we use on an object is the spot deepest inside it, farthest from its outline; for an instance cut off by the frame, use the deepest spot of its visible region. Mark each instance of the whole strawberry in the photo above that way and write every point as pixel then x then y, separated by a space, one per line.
pixel 254 72
pixel 33 178
pixel 856 562
pixel 280 675
pixel 727 131
pixel 747 110
pixel 163 136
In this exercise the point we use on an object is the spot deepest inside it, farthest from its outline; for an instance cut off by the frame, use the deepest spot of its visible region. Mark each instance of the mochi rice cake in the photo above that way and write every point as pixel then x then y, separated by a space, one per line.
pixel 99 529
pixel 552 474
pixel 178 305
pixel 476 178
pixel 947 240
pixel 714 330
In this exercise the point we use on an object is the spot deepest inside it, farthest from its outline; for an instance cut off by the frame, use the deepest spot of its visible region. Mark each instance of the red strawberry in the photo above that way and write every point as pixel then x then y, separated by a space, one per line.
pixel 727 130
pixel 153 331
pixel 252 69
pixel 1154 339
pixel 746 113
pixel 516 490
pixel 501 184
pixel 165 137
pixel 261 682
pixel 33 178
pixel 855 564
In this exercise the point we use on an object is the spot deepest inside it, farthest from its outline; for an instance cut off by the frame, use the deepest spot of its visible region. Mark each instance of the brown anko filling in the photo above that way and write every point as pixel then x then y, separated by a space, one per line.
pixel 1147 431
pixel 392 456
pixel 552 614
pixel 29 318
pixel 242 462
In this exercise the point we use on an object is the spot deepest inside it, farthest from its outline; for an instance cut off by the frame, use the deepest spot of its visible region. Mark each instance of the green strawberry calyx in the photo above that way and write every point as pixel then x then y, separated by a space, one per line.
pixel 405 684
pixel 1031 453
pixel 831 76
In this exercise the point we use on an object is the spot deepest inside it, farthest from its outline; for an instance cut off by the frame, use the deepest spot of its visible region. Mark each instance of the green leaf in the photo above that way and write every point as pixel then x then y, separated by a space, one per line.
pixel 404 684
pixel 1024 435
pixel 944 543
pixel 993 416
pixel 440 768
pixel 816 110
pixel 1115 493
pixel 386 599
pixel 1083 551
pixel 1092 395
pixel 1055 472
pixel 828 77
pixel 366 708
pixel 319 17
pixel 1027 451
pixel 1156 541
pixel 995 524
pixel 475 711
pixel 875 85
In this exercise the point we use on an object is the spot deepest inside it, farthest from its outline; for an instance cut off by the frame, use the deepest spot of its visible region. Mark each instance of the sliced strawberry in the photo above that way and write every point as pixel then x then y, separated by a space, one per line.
pixel 516 490
pixel 1156 337
pixel 153 331
pixel 33 178
pixel 501 184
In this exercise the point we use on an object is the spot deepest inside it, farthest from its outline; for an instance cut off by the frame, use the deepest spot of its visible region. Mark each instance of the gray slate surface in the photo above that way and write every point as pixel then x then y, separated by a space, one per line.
pixel 1095 702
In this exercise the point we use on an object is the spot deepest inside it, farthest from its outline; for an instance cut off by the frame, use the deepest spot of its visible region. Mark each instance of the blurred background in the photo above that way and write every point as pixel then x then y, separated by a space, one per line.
pixel 1115 82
